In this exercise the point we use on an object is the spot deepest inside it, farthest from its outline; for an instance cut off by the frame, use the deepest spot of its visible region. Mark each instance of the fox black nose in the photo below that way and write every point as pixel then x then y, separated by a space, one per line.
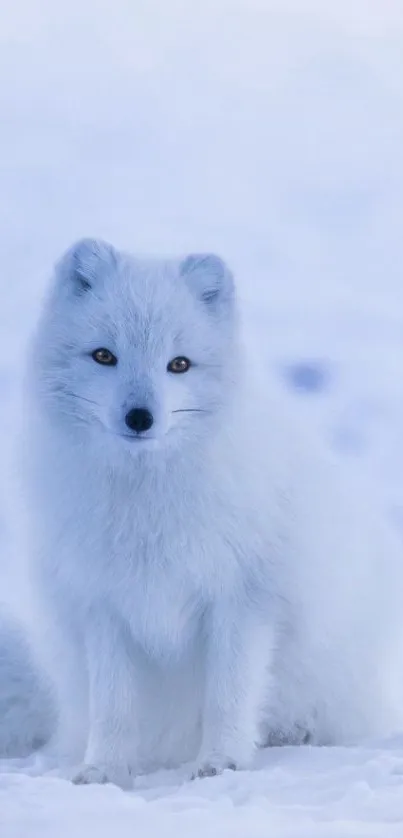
pixel 139 419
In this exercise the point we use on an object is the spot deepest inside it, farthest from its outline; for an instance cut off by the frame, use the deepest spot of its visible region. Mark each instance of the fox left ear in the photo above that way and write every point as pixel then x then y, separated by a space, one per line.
pixel 80 266
pixel 209 278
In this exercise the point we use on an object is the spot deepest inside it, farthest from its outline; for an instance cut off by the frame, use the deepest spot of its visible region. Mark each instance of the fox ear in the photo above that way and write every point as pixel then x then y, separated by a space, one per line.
pixel 83 261
pixel 209 278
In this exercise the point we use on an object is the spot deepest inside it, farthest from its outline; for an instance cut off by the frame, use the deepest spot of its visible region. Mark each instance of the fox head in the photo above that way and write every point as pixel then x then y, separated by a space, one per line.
pixel 139 352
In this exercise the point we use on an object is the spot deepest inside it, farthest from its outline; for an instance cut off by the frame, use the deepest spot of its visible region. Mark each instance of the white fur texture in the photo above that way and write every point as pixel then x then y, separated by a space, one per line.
pixel 26 707
pixel 207 587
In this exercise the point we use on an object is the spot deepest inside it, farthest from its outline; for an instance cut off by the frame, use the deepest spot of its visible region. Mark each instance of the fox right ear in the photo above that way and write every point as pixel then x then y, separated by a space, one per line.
pixel 83 261
pixel 209 279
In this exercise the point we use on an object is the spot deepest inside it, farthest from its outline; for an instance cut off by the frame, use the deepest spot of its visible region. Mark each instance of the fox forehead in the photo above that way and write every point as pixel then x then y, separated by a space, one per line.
pixel 100 294
pixel 146 311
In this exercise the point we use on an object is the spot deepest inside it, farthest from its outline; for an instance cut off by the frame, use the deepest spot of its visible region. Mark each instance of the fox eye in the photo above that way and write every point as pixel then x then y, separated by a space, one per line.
pixel 179 364
pixel 105 357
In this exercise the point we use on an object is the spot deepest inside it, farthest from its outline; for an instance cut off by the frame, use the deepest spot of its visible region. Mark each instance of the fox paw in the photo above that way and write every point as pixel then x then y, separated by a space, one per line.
pixel 213 765
pixel 102 774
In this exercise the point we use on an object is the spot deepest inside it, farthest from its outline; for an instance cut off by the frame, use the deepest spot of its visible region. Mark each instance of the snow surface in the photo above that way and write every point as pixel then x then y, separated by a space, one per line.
pixel 272 132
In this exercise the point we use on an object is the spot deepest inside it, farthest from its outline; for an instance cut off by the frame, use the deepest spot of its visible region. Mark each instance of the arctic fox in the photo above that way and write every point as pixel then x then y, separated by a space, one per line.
pixel 207 586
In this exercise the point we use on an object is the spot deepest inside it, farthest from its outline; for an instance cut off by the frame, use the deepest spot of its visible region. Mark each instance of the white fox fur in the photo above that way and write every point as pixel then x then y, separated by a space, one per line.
pixel 206 586
pixel 27 712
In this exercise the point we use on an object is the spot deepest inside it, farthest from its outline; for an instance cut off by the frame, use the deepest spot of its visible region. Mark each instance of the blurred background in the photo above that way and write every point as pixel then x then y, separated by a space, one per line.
pixel 268 130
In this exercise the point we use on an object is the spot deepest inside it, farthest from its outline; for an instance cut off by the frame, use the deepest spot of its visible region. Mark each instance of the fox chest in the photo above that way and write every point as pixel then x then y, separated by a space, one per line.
pixel 164 613
pixel 161 574
pixel 167 585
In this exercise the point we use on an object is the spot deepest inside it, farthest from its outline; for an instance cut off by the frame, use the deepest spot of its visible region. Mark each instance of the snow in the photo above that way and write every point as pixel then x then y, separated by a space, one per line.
pixel 272 132
pixel 298 792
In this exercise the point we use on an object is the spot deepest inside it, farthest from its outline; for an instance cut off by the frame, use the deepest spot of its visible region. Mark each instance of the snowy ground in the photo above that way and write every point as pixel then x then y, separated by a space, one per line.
pixel 271 131
pixel 294 793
